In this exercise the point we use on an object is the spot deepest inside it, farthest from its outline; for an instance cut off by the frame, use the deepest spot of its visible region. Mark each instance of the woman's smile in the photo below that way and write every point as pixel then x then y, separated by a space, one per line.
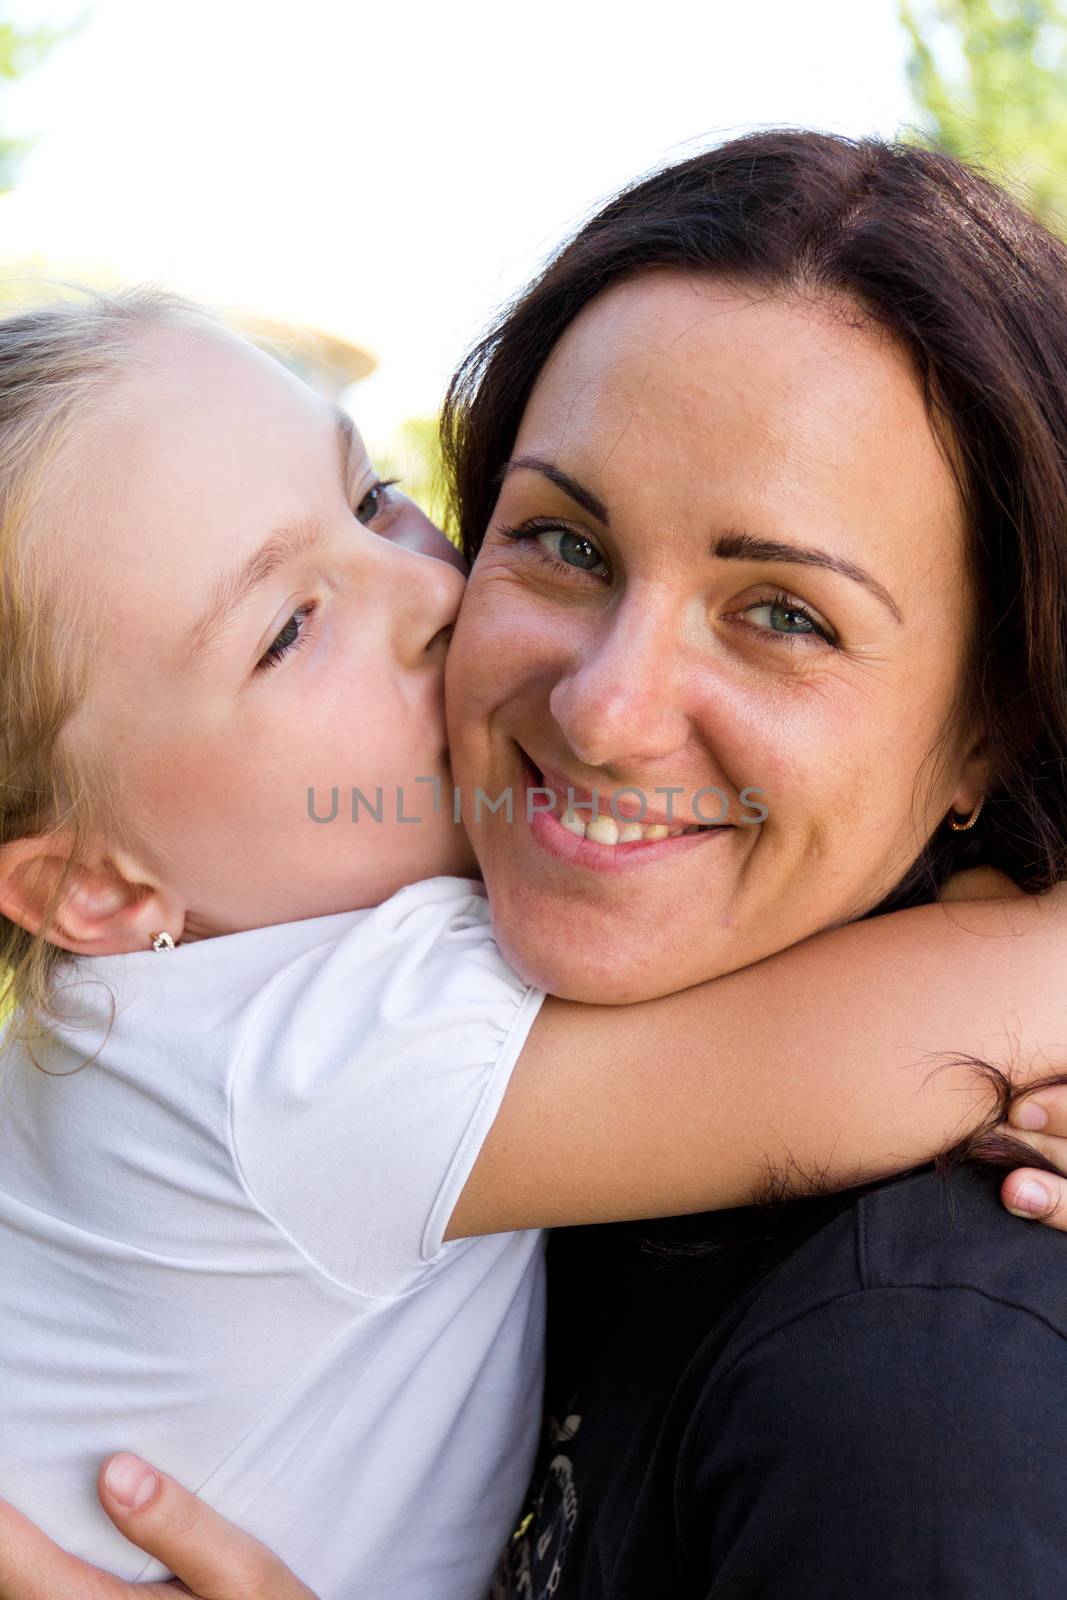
pixel 604 830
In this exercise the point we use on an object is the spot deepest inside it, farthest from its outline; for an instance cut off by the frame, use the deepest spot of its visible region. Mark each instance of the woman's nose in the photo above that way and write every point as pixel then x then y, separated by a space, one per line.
pixel 622 701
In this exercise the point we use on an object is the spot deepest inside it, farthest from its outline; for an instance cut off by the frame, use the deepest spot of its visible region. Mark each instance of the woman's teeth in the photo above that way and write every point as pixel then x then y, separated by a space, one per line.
pixel 605 830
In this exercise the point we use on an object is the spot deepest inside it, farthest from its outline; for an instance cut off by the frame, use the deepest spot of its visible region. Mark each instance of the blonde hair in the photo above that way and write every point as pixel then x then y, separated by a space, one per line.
pixel 58 361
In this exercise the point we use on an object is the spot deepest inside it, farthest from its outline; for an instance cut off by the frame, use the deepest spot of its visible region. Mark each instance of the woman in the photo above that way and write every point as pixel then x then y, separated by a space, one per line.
pixel 864 350
pixel 790 1416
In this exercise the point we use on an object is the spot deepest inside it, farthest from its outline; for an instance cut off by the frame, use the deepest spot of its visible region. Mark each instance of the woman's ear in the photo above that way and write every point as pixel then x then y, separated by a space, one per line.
pixel 105 908
pixel 974 777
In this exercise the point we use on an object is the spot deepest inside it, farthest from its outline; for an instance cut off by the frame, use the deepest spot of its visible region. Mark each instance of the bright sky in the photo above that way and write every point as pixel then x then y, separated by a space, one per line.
pixel 394 170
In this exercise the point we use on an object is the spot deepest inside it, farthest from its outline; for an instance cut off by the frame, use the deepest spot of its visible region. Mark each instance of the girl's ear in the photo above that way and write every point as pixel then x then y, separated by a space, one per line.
pixel 104 908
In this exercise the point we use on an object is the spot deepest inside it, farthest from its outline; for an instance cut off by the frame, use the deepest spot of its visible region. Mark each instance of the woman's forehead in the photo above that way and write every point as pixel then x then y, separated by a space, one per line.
pixel 771 405
pixel 708 343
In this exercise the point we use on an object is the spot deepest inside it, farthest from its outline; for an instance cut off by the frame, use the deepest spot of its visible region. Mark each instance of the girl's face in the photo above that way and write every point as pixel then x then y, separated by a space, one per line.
pixel 727 554
pixel 255 636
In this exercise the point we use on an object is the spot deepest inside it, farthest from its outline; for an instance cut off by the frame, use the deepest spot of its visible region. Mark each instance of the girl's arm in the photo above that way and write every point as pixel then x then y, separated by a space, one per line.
pixel 839 1060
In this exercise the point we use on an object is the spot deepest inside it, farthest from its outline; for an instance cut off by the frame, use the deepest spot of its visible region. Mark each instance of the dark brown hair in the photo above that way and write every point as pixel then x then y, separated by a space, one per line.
pixel 975 290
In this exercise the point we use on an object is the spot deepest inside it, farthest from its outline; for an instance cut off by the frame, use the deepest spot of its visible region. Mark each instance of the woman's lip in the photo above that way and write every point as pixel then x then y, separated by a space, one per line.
pixel 550 835
pixel 624 810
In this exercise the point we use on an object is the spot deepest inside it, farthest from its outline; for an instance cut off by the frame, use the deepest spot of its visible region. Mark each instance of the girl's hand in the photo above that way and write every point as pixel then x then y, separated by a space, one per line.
pixel 1031 1191
pixel 211 1557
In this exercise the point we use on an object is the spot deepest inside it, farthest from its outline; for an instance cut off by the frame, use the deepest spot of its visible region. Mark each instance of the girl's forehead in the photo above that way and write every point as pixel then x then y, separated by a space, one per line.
pixel 202 449
pixel 200 400
pixel 185 363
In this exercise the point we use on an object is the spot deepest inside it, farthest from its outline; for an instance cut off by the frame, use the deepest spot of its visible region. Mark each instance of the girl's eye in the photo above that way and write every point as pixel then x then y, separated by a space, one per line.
pixel 565 548
pixel 376 500
pixel 786 619
pixel 291 638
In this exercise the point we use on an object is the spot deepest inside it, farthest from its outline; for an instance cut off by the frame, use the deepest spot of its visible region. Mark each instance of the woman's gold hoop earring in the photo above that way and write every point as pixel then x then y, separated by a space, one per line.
pixel 961 827
pixel 161 941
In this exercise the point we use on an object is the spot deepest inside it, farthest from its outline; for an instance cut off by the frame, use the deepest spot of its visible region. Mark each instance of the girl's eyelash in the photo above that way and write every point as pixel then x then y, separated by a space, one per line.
pixel 277 650
pixel 380 486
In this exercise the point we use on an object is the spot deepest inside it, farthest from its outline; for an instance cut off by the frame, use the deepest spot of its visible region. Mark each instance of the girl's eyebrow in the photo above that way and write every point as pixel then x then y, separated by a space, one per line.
pixel 233 589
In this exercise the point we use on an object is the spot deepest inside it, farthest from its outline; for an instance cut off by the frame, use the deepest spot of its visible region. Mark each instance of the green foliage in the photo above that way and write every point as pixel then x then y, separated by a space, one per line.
pixel 21 50
pixel 414 456
pixel 990 77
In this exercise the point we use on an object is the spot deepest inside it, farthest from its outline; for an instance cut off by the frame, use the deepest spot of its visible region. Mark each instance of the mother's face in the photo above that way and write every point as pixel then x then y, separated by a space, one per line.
pixel 727 553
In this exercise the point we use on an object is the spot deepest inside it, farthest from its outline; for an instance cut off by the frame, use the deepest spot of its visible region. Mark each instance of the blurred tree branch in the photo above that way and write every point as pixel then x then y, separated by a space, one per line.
pixel 990 78
pixel 21 51
pixel 413 456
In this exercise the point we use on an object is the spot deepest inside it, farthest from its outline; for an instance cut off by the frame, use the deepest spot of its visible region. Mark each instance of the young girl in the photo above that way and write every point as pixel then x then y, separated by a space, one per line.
pixel 258 1212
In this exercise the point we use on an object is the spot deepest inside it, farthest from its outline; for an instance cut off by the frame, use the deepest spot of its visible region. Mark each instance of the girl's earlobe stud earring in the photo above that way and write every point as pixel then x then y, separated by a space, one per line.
pixel 161 941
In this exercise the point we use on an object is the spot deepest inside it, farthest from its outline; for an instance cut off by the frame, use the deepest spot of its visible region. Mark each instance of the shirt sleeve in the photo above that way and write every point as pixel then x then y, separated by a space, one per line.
pixel 893 1443
pixel 368 1080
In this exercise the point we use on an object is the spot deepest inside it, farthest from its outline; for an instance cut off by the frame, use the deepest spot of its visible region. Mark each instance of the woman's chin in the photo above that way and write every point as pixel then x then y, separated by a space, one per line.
pixel 593 972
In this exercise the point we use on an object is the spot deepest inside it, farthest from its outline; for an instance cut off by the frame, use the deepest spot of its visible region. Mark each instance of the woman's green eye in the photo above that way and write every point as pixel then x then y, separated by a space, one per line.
pixel 557 546
pixel 578 552
pixel 575 549
pixel 786 619
pixel 791 621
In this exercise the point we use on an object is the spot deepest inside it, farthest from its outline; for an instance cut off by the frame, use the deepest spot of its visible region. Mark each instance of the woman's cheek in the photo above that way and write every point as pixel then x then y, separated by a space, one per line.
pixel 752 742
pixel 500 634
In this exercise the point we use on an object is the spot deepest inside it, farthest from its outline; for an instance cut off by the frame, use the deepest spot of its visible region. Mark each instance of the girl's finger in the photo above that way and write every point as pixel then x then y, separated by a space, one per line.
pixel 1045 1111
pixel 1040 1196
pixel 212 1558
pixel 1048 1147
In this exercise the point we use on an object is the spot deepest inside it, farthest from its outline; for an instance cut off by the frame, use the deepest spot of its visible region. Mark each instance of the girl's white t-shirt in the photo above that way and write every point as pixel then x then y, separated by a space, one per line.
pixel 221 1247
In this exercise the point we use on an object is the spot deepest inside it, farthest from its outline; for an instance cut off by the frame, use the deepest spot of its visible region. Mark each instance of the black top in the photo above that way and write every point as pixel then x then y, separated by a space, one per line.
pixel 858 1396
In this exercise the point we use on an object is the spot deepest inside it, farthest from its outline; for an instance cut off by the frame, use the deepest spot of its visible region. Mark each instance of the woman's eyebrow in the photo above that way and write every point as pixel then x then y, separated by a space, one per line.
pixel 740 546
pixel 576 491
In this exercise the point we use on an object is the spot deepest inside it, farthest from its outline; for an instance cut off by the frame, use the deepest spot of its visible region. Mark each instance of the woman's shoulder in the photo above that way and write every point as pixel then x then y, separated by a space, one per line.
pixel 887 1368
pixel 923 1240
pixel 932 1231
pixel 739 1374
pixel 979 883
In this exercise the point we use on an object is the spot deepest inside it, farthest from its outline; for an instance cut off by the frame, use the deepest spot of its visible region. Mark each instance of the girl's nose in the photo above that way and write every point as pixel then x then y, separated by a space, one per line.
pixel 621 704
pixel 425 595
